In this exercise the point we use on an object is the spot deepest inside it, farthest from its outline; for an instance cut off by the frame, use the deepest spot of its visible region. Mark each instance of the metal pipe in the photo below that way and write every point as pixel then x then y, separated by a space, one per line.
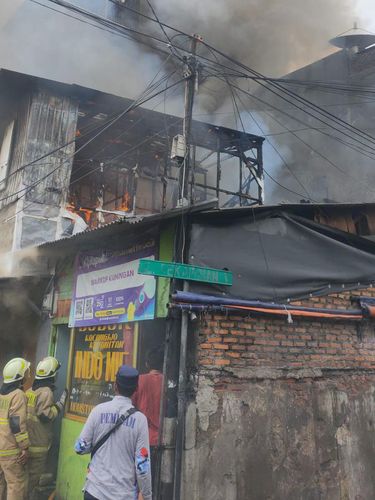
pixel 218 169
pixel 240 186
pixel 181 403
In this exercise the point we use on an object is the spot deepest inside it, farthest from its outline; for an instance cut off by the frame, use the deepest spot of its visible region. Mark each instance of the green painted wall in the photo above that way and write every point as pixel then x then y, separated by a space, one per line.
pixel 166 254
pixel 71 472
pixel 65 275
pixel 72 468
pixel 64 285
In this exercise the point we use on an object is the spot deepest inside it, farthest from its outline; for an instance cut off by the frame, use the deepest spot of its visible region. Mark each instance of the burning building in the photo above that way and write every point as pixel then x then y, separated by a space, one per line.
pixel 73 158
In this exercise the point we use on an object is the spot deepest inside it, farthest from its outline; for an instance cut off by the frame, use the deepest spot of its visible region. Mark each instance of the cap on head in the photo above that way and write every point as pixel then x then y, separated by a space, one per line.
pixel 127 377
pixel 15 370
pixel 47 368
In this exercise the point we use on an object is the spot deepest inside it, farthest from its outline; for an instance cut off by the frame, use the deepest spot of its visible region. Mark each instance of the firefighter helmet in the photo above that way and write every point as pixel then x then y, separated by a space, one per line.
pixel 47 368
pixel 15 369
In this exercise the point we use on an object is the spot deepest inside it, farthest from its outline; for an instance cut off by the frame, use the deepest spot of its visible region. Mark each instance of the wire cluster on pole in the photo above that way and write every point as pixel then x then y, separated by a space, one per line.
pixel 228 68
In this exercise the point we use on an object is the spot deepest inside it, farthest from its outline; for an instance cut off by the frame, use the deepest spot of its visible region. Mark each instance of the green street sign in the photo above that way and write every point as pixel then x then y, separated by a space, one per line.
pixel 185 272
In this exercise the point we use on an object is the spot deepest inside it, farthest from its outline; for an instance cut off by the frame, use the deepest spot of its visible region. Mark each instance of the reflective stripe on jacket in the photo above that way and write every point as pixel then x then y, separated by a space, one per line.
pixel 41 412
pixel 13 432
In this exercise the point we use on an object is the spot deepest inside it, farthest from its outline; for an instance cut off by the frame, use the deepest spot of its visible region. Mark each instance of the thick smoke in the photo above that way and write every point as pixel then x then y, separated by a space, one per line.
pixel 272 36
pixel 38 41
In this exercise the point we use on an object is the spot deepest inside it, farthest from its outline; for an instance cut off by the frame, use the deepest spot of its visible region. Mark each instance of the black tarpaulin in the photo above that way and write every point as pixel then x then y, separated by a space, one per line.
pixel 280 257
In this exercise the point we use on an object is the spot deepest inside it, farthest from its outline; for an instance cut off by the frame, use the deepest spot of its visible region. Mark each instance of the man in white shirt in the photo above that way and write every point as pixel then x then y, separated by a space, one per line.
pixel 120 465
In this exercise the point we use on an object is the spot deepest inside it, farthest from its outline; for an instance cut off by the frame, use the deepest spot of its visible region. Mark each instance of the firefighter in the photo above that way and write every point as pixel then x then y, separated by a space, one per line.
pixel 41 412
pixel 14 439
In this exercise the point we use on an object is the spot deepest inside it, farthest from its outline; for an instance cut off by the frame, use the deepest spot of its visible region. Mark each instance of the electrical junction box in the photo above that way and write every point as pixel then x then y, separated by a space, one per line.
pixel 178 151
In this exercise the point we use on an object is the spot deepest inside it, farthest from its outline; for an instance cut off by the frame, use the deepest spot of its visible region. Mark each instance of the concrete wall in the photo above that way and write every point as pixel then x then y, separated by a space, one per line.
pixel 289 439
pixel 282 411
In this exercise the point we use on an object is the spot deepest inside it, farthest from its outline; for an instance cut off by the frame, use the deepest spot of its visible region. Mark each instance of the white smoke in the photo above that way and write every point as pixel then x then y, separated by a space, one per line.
pixel 273 36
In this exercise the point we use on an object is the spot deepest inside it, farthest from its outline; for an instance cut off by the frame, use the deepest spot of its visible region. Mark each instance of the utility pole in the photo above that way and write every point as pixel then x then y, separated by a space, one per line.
pixel 191 74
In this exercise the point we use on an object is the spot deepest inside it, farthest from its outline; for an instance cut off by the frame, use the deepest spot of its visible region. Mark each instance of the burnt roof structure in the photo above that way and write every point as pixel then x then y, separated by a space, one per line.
pixel 104 157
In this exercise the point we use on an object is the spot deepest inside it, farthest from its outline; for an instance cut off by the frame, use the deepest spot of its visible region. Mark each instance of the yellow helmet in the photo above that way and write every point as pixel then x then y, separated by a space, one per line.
pixel 47 368
pixel 15 370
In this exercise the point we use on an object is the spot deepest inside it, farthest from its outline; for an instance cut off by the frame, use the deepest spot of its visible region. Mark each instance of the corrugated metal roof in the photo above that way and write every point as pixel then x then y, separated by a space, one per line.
pixel 123 224
pixel 206 209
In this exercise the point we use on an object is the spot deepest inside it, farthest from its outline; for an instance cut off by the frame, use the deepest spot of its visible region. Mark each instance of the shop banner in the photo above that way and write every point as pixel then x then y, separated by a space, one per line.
pixel 108 288
pixel 98 352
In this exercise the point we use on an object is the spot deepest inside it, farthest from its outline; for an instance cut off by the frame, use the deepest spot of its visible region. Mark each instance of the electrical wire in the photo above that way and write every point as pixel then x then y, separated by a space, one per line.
pixel 316 108
pixel 294 118
pixel 312 106
pixel 293 174
pixel 139 103
pixel 104 126
pixel 151 86
pixel 330 162
pixel 236 110
pixel 171 46
pixel 283 159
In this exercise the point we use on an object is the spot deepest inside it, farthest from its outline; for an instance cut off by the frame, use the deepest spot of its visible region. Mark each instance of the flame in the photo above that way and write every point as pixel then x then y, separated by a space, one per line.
pixel 85 213
pixel 125 203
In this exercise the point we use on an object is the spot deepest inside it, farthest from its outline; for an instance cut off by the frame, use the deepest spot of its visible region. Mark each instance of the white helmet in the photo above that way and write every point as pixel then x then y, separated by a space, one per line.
pixel 15 370
pixel 47 368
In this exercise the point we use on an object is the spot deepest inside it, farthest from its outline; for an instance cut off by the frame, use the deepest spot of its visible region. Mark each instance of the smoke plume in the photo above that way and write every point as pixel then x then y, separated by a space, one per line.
pixel 273 37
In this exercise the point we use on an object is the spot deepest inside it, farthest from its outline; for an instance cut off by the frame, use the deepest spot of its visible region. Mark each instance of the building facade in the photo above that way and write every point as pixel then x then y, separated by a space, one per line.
pixel 279 391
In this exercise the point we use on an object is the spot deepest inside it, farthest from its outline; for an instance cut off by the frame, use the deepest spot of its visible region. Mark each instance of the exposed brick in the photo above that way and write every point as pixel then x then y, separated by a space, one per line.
pixel 206 361
pixel 222 362
pixel 222 331
pixel 220 346
pixel 271 341
pixel 233 354
pixel 237 332
pixel 214 339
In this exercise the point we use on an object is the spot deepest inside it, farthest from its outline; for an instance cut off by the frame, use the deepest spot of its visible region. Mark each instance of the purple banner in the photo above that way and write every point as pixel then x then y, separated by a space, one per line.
pixel 108 288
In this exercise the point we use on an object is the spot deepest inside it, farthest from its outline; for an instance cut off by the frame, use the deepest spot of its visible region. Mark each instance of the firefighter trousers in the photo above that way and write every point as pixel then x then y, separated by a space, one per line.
pixel 13 479
pixel 37 465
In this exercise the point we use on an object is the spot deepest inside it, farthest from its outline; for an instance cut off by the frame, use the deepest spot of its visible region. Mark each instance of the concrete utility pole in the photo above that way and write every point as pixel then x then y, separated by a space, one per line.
pixel 190 73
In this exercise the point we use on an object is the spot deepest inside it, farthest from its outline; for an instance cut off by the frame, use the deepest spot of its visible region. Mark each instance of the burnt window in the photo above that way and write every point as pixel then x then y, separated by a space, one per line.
pixel 361 225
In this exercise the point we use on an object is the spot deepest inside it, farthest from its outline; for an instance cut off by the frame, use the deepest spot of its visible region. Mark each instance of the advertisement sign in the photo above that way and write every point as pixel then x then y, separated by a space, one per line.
pixel 98 352
pixel 108 288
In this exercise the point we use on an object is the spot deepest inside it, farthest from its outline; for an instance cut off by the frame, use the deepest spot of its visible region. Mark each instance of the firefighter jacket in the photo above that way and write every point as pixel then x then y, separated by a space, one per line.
pixel 13 432
pixel 41 412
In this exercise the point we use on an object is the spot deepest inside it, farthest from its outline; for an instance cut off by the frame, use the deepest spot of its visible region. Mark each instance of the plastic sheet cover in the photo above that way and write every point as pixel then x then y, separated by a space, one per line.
pixel 279 257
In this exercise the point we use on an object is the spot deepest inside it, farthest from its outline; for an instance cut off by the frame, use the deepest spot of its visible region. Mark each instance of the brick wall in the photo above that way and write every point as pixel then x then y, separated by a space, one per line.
pixel 240 341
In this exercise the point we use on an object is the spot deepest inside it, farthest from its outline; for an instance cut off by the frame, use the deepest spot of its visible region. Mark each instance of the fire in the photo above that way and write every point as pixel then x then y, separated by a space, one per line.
pixel 125 203
pixel 85 213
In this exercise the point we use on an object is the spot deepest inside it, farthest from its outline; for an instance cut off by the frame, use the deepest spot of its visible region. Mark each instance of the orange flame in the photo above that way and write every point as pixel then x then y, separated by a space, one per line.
pixel 125 203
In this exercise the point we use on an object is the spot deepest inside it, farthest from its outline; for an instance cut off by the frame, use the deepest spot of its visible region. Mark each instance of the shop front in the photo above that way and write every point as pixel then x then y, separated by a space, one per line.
pixel 105 315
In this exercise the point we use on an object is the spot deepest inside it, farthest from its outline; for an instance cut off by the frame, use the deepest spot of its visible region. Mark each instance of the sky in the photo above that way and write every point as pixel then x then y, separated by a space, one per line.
pixel 366 14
